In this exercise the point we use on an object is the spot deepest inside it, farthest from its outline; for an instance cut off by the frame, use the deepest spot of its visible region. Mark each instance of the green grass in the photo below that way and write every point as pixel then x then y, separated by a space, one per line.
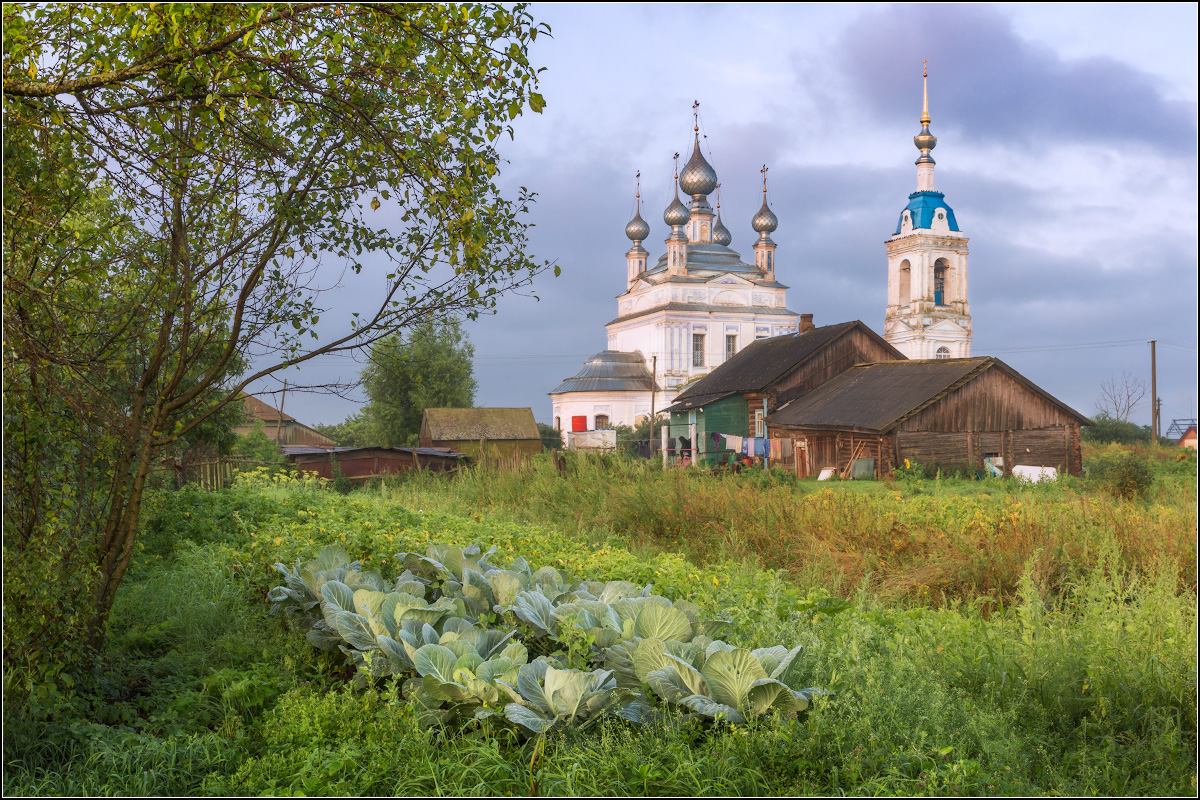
pixel 1081 683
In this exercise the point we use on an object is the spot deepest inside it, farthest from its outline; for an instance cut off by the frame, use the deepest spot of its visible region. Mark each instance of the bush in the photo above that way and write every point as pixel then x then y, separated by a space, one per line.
pixel 551 437
pixel 1105 430
pixel 1122 473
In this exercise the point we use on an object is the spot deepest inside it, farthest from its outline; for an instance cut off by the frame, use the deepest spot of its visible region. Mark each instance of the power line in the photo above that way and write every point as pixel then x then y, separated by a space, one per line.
pixel 1076 346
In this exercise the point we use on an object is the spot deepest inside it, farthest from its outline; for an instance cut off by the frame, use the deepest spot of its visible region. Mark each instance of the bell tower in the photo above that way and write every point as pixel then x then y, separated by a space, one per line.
pixel 927 311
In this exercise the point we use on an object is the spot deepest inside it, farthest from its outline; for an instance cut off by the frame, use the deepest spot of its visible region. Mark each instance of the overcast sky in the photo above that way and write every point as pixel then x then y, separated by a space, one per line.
pixel 1066 147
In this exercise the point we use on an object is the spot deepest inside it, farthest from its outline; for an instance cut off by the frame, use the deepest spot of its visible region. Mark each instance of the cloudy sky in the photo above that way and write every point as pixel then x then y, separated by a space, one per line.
pixel 1066 146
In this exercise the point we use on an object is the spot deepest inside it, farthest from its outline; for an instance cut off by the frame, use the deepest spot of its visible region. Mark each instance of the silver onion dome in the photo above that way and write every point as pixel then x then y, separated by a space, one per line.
pixel 637 229
pixel 765 220
pixel 676 213
pixel 721 234
pixel 697 176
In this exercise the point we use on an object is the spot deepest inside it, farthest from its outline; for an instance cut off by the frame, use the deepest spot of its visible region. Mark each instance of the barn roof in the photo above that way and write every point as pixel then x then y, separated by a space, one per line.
pixel 880 395
pixel 761 363
pixel 460 424
pixel 257 409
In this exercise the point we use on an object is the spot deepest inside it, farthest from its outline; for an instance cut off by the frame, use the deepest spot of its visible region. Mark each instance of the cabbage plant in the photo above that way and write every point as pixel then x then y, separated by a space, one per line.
pixel 545 696
pixel 723 682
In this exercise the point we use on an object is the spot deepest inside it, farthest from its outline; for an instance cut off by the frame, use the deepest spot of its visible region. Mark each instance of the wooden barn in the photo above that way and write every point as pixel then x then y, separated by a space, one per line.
pixel 363 463
pixel 491 431
pixel 947 414
pixel 736 397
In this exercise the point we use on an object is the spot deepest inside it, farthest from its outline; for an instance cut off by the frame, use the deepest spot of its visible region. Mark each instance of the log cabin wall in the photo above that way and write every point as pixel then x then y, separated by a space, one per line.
pixel 852 347
pixel 1003 416
pixel 934 451
pixel 992 401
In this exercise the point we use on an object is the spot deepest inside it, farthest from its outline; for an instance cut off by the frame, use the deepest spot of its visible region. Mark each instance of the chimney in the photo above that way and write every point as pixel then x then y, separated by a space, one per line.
pixel 806 324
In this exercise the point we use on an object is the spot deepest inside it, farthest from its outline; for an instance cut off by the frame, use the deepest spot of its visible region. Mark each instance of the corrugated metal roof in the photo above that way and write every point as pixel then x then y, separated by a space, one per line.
pixel 766 310
pixel 458 424
pixel 697 401
pixel 306 450
pixel 762 362
pixel 878 396
pixel 610 371
pixel 706 256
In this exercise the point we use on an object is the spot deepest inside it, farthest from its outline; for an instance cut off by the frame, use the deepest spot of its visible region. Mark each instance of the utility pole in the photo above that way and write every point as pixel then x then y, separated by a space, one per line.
pixel 653 391
pixel 1153 391
pixel 279 425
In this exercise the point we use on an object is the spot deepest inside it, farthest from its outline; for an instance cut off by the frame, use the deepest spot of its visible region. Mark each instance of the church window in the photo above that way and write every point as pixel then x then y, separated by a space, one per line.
pixel 905 283
pixel 730 345
pixel 704 233
pixel 601 422
pixel 558 423
pixel 943 352
pixel 770 261
pixel 697 349
pixel 939 282
pixel 941 215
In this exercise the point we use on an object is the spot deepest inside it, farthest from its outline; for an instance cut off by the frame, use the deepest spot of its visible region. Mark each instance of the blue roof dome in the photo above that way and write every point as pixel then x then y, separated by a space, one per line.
pixel 922 206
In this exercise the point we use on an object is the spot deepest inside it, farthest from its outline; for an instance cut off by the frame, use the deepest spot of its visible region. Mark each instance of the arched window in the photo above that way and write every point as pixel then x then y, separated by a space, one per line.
pixel 943 352
pixel 704 233
pixel 770 261
pixel 905 282
pixel 939 281
pixel 558 423
pixel 602 422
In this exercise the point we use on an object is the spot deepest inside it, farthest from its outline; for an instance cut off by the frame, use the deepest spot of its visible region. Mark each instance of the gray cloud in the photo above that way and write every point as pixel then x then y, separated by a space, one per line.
pixel 991 84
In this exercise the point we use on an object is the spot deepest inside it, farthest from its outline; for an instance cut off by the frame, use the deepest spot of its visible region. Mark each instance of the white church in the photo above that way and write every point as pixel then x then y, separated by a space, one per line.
pixel 699 302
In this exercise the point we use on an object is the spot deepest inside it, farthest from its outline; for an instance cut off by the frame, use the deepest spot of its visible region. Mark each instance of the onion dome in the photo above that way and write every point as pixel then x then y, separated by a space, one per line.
pixel 765 220
pixel 721 234
pixel 676 213
pixel 637 229
pixel 697 177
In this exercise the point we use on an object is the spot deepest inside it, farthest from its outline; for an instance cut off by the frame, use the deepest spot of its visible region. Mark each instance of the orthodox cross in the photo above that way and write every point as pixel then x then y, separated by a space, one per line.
pixel 764 174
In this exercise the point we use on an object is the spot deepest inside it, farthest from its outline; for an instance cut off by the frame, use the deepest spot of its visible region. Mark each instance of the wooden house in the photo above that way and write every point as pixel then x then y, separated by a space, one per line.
pixel 476 431
pixel 736 397
pixel 947 414
pixel 279 427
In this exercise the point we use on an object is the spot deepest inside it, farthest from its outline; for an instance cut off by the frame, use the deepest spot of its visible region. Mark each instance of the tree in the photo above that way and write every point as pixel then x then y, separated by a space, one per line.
pixel 353 431
pixel 1120 396
pixel 551 436
pixel 431 367
pixel 181 183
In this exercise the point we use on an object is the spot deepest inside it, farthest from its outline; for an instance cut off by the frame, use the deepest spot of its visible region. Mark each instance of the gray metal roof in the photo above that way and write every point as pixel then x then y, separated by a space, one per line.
pixel 610 371
pixel 705 256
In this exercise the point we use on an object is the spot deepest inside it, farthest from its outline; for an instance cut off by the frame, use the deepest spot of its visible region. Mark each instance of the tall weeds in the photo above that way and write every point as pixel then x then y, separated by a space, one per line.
pixel 930 542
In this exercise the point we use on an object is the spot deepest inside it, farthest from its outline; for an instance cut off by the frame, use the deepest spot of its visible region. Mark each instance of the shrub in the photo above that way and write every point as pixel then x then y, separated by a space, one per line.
pixel 1105 430
pixel 1122 473
pixel 551 437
